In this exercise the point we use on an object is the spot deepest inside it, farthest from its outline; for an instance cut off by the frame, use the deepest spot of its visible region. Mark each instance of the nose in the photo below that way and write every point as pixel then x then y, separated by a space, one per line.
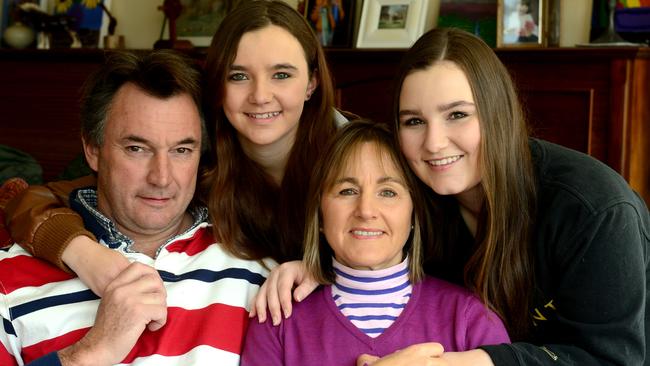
pixel 261 92
pixel 366 206
pixel 159 171
pixel 436 138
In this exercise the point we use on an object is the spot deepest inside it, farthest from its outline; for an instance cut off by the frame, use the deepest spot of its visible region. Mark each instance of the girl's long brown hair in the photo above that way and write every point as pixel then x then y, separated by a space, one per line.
pixel 251 215
pixel 500 269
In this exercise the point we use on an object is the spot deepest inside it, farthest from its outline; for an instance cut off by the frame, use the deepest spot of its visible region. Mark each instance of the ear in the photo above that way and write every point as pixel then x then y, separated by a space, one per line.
pixel 312 85
pixel 91 151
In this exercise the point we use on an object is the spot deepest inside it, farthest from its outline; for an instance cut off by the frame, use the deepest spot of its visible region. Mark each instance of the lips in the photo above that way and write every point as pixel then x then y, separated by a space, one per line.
pixel 366 233
pixel 266 115
pixel 444 161
pixel 155 201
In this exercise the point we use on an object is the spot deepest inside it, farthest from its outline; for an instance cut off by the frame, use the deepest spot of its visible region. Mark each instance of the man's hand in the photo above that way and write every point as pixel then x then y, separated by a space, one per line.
pixel 95 264
pixel 423 354
pixel 135 299
pixel 276 291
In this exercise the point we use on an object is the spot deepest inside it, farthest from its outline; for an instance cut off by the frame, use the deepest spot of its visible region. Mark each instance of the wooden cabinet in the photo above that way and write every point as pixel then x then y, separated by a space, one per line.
pixel 39 103
pixel 592 100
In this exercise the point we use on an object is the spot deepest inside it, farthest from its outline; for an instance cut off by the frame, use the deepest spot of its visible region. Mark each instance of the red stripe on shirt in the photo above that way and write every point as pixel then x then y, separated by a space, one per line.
pixel 218 325
pixel 40 349
pixel 201 239
pixel 33 272
pixel 6 358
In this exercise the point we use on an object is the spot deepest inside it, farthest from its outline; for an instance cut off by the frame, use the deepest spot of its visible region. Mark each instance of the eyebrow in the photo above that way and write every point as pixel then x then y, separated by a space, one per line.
pixel 380 180
pixel 440 108
pixel 142 140
pixel 280 66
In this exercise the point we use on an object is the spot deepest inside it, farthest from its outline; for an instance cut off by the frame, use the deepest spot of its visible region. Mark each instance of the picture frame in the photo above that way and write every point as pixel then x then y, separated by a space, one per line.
pixel 395 23
pixel 340 13
pixel 199 20
pixel 522 23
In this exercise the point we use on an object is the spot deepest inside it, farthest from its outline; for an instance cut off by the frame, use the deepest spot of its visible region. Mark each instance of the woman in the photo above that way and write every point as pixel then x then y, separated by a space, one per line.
pixel 552 240
pixel 268 100
pixel 363 240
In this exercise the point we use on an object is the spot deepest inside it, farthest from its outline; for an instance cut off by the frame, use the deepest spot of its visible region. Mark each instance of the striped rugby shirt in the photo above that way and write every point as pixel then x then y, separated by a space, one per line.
pixel 44 309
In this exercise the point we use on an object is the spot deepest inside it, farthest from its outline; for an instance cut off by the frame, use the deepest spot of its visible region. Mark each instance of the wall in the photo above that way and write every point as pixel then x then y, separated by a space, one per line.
pixel 139 21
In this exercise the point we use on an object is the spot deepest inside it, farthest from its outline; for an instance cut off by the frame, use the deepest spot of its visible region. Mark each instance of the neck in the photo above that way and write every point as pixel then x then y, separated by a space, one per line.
pixel 273 159
pixel 471 202
pixel 149 243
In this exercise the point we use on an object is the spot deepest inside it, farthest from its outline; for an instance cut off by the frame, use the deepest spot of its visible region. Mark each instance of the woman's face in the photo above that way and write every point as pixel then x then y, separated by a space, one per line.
pixel 367 211
pixel 266 88
pixel 439 128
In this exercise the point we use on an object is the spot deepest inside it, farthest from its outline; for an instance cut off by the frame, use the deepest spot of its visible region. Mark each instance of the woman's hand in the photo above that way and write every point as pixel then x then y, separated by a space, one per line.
pixel 276 291
pixel 423 354
pixel 95 264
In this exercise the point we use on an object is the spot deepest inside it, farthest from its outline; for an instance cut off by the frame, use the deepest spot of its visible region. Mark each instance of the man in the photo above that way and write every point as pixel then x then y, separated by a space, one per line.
pixel 142 133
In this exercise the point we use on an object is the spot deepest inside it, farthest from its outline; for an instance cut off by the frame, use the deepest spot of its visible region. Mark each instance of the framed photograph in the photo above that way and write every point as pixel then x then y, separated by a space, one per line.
pixel 333 21
pixel 394 23
pixel 200 19
pixel 521 23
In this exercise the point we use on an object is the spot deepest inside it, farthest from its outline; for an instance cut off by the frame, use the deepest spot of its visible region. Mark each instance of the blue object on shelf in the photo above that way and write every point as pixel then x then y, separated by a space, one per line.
pixel 632 20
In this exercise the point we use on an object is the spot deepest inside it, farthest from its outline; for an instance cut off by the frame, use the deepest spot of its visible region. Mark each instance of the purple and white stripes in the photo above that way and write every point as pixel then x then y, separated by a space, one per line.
pixel 371 300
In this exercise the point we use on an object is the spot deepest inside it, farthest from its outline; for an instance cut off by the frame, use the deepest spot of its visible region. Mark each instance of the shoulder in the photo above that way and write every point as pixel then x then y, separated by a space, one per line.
pixel 443 293
pixel 580 197
pixel 199 243
pixel 568 179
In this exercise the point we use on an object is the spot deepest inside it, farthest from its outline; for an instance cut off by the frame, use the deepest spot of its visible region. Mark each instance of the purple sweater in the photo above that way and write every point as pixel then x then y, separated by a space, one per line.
pixel 318 334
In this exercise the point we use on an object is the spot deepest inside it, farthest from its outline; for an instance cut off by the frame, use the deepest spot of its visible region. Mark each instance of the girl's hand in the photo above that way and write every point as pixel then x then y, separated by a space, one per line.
pixel 95 264
pixel 276 291
pixel 423 354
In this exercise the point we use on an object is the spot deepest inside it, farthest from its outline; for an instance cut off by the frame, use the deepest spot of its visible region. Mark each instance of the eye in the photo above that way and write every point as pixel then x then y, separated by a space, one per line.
pixel 134 149
pixel 457 115
pixel 239 76
pixel 348 192
pixel 388 193
pixel 281 75
pixel 412 122
pixel 184 150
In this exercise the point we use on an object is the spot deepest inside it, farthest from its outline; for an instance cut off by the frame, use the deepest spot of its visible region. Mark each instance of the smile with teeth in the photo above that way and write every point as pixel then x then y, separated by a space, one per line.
pixel 444 161
pixel 263 115
pixel 367 233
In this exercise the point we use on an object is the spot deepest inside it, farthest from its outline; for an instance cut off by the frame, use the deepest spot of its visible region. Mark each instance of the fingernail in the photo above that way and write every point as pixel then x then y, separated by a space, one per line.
pixel 276 321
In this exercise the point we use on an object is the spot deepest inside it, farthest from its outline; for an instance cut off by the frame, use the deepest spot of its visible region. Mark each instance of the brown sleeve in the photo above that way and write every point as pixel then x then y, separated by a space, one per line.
pixel 41 221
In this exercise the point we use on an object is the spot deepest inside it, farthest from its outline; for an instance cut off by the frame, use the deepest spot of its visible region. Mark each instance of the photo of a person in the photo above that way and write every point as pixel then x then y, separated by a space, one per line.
pixel 520 23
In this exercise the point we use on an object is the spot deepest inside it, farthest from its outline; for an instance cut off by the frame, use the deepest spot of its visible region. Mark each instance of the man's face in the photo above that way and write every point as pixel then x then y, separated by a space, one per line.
pixel 148 162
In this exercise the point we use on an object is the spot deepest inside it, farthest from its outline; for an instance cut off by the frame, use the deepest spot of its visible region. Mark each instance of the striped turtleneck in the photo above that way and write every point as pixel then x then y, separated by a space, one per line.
pixel 371 300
